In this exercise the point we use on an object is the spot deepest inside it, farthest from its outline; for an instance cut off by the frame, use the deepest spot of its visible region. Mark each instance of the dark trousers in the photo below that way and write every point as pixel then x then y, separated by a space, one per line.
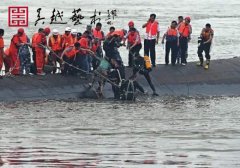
pixel 183 42
pixel 34 61
pixel 206 48
pixel 171 46
pixel 68 69
pixel 149 46
pixel 133 53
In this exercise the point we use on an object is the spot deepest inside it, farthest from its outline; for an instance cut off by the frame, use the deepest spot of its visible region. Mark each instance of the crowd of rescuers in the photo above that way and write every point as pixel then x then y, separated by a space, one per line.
pixel 81 53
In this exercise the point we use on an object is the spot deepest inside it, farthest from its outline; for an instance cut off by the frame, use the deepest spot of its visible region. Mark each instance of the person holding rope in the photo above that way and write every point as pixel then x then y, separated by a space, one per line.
pixel 41 44
pixel 18 41
pixel 68 57
pixel 55 43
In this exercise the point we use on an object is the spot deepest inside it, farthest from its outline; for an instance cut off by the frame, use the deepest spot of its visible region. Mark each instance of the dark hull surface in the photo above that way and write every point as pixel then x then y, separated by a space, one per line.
pixel 222 79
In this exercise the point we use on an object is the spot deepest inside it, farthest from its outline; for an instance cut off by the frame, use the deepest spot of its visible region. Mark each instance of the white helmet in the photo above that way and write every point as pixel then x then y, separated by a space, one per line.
pixel 74 31
pixel 68 29
pixel 55 32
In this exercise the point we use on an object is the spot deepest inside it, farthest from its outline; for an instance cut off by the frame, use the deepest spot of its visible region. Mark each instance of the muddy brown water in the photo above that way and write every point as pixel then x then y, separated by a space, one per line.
pixel 151 132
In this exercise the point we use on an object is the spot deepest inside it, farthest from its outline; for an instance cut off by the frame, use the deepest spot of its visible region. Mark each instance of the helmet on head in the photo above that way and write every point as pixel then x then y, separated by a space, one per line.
pixel 55 32
pixel 68 29
pixel 74 31
pixel 131 23
pixel 188 18
pixel 20 30
pixel 47 30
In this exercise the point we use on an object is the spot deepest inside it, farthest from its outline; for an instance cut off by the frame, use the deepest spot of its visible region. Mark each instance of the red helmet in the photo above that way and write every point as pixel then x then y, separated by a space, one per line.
pixel 188 18
pixel 20 30
pixel 47 30
pixel 131 23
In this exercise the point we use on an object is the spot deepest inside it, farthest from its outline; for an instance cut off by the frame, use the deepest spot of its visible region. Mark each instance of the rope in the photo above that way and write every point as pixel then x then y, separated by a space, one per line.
pixel 71 65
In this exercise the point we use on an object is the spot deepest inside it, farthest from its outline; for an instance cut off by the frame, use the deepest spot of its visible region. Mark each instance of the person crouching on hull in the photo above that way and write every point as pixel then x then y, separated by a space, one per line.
pixel 68 57
pixel 142 65
pixel 205 43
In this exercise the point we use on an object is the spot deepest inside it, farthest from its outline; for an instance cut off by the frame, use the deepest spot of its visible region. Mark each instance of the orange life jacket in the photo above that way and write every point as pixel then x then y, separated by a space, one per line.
pixel 40 39
pixel 119 33
pixel 184 30
pixel 133 37
pixel 207 34
pixel 23 38
pixel 172 32
pixel 84 44
pixel 94 47
pixel 55 43
pixel 97 34
pixel 71 51
pixel 67 40
pixel 34 38
pixel 16 40
pixel 152 28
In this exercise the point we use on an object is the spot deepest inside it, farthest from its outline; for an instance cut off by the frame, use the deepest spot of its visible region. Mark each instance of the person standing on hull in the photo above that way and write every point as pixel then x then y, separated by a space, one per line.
pixel 134 42
pixel 67 38
pixel 111 30
pixel 82 60
pixel 205 45
pixel 17 43
pixel 172 43
pixel 55 43
pixel 151 38
pixel 185 31
pixel 98 35
pixel 41 43
pixel 34 37
pixel 134 45
pixel 180 21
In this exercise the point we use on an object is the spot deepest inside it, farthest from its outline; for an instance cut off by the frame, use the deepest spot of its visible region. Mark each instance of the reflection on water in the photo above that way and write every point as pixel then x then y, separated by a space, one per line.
pixel 166 132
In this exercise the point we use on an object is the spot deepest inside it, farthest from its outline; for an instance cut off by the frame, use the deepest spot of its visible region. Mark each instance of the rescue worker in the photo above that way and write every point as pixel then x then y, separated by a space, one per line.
pixel 172 43
pixel 99 35
pixel 111 46
pixel 134 45
pixel 151 38
pixel 18 41
pixel 111 30
pixel 55 43
pixel 82 60
pixel 185 31
pixel 180 21
pixel 24 55
pixel 205 45
pixel 1 48
pixel 142 66
pixel 67 38
pixel 74 36
pixel 41 43
pixel 34 37
pixel 68 56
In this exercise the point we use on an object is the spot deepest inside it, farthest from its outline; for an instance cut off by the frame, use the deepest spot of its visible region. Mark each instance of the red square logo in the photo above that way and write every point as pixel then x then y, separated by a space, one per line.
pixel 17 16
